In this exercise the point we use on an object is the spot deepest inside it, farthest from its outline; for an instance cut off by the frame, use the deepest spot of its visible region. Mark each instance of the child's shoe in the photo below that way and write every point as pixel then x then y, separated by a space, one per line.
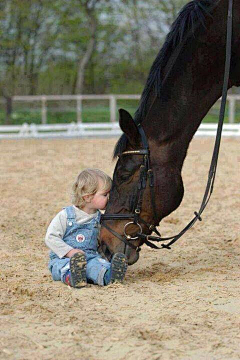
pixel 76 276
pixel 118 269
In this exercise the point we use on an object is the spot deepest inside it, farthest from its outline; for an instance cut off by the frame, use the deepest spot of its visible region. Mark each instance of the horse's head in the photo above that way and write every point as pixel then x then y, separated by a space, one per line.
pixel 134 205
pixel 123 195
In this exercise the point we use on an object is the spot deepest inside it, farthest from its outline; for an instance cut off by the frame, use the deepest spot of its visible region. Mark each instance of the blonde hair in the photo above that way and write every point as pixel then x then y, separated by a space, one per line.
pixel 88 182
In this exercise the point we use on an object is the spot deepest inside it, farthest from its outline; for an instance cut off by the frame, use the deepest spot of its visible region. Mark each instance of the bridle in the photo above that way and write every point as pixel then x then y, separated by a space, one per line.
pixel 147 176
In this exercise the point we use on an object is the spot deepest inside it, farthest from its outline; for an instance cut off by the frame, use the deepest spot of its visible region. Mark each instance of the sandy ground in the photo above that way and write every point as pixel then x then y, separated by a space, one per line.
pixel 179 304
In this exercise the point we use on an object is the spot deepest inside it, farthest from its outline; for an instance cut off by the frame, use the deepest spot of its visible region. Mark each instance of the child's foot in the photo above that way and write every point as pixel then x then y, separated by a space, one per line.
pixel 78 265
pixel 76 277
pixel 119 267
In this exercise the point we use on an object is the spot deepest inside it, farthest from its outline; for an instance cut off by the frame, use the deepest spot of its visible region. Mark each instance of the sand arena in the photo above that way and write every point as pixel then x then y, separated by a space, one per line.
pixel 179 304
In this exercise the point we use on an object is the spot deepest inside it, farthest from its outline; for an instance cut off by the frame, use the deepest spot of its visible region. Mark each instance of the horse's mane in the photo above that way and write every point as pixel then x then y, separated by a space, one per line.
pixel 193 12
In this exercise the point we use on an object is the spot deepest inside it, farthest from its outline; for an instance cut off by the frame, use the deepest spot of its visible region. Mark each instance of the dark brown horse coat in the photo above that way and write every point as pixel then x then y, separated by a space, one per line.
pixel 185 80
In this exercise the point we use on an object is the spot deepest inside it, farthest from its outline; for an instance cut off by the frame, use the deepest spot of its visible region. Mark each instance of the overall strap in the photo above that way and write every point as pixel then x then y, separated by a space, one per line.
pixel 99 216
pixel 71 216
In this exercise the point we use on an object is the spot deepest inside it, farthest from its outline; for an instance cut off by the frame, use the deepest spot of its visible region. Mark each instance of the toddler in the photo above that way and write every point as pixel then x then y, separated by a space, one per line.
pixel 72 236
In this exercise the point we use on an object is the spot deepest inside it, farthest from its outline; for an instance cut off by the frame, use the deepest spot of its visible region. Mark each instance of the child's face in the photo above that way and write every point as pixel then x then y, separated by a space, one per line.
pixel 99 200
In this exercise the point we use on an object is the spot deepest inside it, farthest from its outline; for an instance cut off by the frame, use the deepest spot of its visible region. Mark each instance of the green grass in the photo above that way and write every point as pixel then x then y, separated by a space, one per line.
pixel 97 113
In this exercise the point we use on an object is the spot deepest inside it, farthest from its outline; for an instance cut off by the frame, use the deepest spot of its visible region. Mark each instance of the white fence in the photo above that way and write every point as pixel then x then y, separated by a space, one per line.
pixel 44 101
pixel 81 130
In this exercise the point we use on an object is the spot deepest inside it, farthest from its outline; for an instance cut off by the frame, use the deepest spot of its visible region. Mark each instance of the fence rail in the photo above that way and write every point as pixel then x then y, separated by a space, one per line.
pixel 81 130
pixel 112 98
pixel 78 98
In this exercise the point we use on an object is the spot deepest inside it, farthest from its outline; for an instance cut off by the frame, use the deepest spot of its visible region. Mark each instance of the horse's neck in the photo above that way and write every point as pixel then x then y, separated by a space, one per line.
pixel 178 121
pixel 192 88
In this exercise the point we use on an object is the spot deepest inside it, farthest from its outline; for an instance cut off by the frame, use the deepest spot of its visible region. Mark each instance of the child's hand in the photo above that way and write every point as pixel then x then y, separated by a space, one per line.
pixel 73 251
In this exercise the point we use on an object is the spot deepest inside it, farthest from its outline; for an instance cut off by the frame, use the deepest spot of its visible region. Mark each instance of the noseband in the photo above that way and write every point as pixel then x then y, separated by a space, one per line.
pixel 147 176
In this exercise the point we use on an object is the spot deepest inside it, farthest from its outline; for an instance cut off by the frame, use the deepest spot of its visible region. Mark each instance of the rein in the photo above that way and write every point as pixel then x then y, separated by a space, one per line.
pixel 147 176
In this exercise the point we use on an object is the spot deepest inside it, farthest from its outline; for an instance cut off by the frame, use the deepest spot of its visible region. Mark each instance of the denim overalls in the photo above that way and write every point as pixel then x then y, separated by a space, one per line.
pixel 84 237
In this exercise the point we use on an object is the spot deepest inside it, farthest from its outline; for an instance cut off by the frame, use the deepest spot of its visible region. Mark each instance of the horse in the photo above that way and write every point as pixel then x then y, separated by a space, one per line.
pixel 185 80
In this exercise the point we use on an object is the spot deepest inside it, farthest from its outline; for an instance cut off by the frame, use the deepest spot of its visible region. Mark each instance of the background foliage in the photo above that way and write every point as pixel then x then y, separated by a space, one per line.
pixel 44 44
pixel 75 47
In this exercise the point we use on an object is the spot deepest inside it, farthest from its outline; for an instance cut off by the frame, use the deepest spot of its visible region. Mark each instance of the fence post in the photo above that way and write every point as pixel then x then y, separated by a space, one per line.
pixel 113 108
pixel 79 109
pixel 44 110
pixel 231 114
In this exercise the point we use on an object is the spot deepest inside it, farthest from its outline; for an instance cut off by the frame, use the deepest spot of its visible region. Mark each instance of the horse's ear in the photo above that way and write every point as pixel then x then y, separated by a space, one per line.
pixel 128 126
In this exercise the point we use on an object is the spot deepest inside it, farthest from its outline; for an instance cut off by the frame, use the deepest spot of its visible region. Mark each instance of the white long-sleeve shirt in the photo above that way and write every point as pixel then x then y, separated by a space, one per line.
pixel 57 229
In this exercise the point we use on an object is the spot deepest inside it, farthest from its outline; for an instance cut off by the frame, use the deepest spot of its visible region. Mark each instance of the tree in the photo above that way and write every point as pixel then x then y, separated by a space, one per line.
pixel 80 45
pixel 27 34
pixel 79 26
pixel 89 7
pixel 132 40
